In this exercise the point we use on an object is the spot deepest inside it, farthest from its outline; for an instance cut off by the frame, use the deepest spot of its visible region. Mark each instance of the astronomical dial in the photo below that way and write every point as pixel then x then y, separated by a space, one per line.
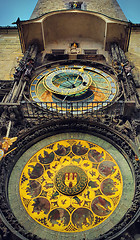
pixel 67 81
pixel 70 184
pixel 76 87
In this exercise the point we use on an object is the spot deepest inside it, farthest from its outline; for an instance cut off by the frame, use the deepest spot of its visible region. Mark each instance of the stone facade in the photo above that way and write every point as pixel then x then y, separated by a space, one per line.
pixel 133 54
pixel 113 10
pixel 10 52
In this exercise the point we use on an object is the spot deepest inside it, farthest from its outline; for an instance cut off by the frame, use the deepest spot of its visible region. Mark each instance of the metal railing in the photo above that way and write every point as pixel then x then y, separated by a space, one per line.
pixel 77 109
pixel 45 109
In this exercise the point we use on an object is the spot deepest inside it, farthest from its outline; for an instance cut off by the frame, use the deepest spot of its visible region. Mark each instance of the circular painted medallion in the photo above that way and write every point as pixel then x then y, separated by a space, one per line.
pixel 71 180
pixel 71 185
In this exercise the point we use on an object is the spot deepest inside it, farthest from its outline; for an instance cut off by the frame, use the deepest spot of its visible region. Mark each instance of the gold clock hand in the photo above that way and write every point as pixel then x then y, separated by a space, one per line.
pixel 76 79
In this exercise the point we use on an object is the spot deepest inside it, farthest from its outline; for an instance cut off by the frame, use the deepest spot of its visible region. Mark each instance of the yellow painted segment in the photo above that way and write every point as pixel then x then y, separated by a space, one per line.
pixel 71 186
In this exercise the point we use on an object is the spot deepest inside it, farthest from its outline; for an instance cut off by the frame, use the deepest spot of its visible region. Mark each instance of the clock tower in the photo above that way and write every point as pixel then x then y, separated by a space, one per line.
pixel 70 127
pixel 109 8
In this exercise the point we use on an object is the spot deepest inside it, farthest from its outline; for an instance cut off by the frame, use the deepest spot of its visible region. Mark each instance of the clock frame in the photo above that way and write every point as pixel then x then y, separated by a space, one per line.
pixel 79 87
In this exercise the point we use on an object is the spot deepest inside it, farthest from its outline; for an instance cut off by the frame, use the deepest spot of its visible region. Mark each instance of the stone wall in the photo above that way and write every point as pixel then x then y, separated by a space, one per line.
pixel 110 8
pixel 10 52
pixel 133 54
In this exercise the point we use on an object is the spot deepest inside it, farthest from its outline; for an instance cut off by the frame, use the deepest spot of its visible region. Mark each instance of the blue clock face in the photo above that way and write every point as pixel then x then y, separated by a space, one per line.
pixel 78 85
pixel 67 81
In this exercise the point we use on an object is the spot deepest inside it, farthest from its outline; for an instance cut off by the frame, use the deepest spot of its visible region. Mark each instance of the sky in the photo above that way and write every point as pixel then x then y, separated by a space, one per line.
pixel 10 10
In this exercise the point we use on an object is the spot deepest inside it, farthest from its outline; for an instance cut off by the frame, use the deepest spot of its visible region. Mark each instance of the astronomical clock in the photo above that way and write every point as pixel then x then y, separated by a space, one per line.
pixel 72 171
pixel 73 86
pixel 71 177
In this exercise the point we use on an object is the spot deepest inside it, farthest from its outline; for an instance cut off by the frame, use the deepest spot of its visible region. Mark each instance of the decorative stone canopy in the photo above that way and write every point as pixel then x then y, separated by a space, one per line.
pixel 73 25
